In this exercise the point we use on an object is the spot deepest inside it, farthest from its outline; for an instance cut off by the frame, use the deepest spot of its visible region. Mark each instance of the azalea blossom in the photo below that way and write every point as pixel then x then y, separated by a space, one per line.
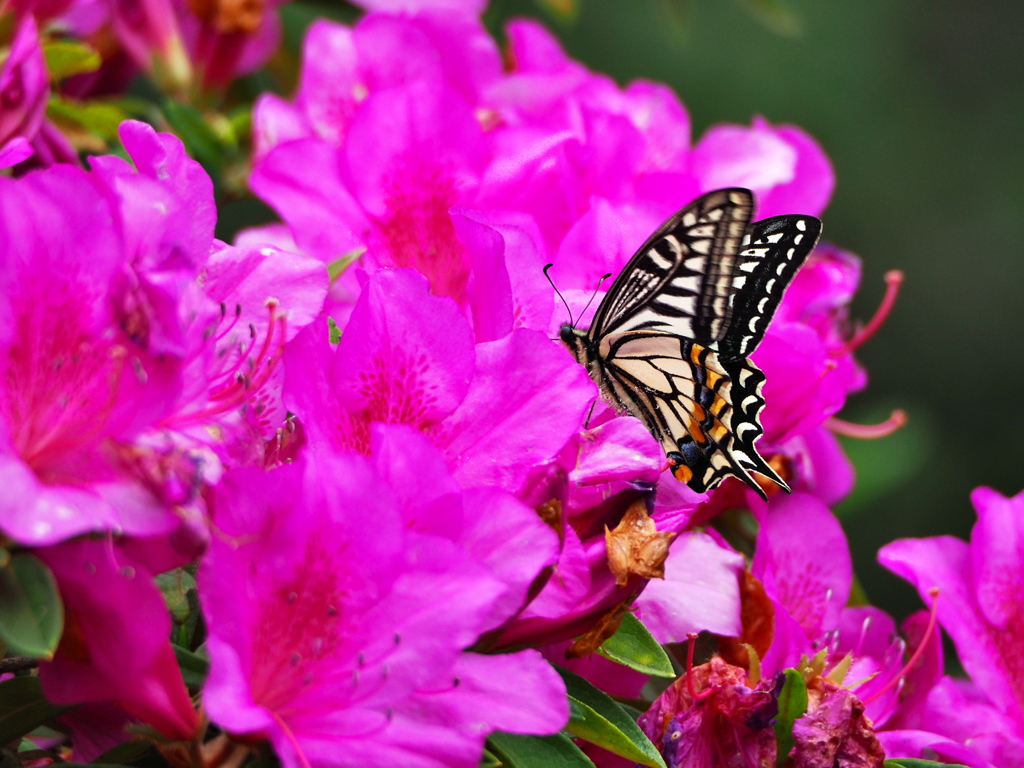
pixel 340 612
pixel 184 43
pixel 75 383
pixel 115 658
pixel 979 586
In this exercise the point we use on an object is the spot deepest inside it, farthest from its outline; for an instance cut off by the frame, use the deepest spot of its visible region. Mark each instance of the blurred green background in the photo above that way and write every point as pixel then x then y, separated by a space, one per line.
pixel 920 105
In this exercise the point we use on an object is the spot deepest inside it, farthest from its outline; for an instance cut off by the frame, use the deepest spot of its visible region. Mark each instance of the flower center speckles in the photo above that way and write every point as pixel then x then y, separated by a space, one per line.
pixel 418 230
pixel 61 379
pixel 395 389
pixel 1007 641
pixel 802 597
pixel 301 624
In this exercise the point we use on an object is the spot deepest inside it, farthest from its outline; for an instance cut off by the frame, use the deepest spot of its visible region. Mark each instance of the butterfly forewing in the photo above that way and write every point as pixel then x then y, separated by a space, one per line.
pixel 670 340
pixel 680 280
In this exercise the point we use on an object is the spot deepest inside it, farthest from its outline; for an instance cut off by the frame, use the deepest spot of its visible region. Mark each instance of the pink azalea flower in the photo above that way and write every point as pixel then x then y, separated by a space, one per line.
pixel 75 383
pixel 24 86
pixel 344 643
pixel 180 42
pixel 700 591
pixel 115 650
pixel 409 357
pixel 15 151
pixel 803 561
pixel 548 147
pixel 979 597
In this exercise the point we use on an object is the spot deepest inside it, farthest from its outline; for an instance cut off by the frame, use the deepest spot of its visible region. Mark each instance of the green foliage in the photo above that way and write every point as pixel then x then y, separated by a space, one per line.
pixel 792 706
pixel 23 708
pixel 201 141
pixel 516 751
pixel 337 267
pixel 596 718
pixel 334 330
pixel 633 646
pixel 65 58
pixel 98 118
pixel 194 668
pixel 31 611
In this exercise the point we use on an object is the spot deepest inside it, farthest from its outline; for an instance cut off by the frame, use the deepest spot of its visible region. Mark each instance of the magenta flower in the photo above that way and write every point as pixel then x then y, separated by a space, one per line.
pixel 75 384
pixel 980 586
pixel 24 86
pixel 115 655
pixel 344 643
pixel 560 162
pixel 803 561
pixel 494 409
pixel 182 43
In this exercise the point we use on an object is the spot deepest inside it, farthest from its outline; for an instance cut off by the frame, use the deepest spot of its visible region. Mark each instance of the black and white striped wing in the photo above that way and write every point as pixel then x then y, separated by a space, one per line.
pixel 682 279
pixel 704 411
pixel 772 252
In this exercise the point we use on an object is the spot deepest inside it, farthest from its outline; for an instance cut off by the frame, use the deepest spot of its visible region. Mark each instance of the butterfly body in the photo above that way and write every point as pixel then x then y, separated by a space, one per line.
pixel 669 342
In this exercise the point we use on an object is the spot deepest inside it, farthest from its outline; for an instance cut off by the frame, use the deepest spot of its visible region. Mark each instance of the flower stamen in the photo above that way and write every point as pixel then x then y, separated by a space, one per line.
pixel 918 652
pixel 893 281
pixel 868 431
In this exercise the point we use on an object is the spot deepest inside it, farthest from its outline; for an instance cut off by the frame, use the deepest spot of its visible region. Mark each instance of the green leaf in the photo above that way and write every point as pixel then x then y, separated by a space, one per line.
pixel 517 751
pixel 23 708
pixel 792 705
pixel 597 718
pixel 635 647
pixel 65 58
pixel 194 667
pixel 31 612
pixel 906 762
pixel 334 330
pixel 337 267
pixel 175 586
pixel 127 752
pixel 97 117
pixel 200 139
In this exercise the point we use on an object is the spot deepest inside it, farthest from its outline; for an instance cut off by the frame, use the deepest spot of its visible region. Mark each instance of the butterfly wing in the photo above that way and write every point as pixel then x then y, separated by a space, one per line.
pixel 681 279
pixel 704 411
pixel 772 252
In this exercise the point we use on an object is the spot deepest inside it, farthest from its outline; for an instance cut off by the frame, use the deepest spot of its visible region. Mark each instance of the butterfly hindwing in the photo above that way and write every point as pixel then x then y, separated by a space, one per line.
pixel 680 280
pixel 703 411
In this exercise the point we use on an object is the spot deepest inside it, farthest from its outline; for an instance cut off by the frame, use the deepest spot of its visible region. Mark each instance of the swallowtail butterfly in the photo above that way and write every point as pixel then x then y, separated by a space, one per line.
pixel 670 340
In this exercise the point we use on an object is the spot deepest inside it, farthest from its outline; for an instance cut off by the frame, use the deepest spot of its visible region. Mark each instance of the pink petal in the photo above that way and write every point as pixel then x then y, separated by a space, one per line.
pixel 302 181
pixel 804 561
pixel 700 591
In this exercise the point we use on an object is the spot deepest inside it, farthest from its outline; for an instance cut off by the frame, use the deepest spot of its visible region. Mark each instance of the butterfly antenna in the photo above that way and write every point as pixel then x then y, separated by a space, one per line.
pixel 560 296
pixel 603 278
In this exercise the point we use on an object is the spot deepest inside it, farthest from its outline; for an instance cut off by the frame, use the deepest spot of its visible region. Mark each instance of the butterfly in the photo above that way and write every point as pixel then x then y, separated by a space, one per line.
pixel 670 341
